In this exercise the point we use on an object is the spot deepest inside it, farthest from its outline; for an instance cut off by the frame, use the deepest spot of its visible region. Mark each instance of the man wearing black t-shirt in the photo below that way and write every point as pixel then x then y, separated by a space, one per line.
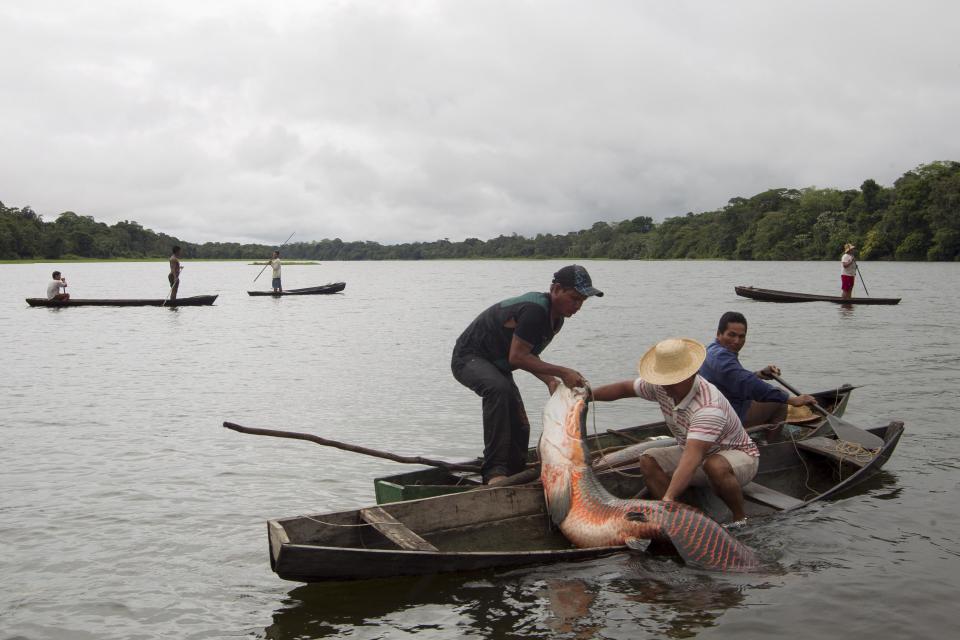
pixel 511 335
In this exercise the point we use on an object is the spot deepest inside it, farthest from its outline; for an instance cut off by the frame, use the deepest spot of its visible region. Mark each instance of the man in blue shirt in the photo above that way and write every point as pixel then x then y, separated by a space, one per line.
pixel 755 401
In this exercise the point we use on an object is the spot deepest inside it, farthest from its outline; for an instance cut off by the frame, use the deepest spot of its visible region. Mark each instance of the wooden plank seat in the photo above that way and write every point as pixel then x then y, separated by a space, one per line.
pixel 394 530
pixel 771 497
pixel 837 450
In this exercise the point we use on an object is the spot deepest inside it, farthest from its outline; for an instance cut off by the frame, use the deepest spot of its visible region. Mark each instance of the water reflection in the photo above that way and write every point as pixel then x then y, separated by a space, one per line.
pixel 651 596
pixel 569 603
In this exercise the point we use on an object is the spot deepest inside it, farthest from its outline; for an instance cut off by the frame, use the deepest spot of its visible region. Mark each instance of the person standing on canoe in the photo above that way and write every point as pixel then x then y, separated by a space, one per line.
pixel 755 401
pixel 848 270
pixel 713 449
pixel 174 276
pixel 511 335
pixel 274 263
pixel 57 289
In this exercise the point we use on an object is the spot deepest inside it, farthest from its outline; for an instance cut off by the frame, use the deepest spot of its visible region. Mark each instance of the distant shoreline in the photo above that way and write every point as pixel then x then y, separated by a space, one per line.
pixel 74 260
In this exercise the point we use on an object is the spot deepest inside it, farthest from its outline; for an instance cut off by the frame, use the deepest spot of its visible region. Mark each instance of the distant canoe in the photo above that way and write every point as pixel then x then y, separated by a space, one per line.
pixel 334 287
pixel 769 295
pixel 193 301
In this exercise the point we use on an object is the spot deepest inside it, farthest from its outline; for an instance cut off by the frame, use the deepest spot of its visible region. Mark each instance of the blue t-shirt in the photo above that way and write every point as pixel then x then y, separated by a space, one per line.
pixel 722 367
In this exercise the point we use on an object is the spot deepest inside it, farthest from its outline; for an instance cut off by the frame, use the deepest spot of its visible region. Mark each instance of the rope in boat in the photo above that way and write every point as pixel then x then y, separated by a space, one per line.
pixel 855 451
pixel 806 468
pixel 845 450
pixel 596 438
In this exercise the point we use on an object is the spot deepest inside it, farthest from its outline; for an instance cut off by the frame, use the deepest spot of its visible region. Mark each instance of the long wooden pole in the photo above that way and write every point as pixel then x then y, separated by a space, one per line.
pixel 268 262
pixel 351 447
pixel 864 284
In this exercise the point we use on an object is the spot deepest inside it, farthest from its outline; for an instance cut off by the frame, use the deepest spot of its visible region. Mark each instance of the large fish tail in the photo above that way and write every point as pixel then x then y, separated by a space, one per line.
pixel 702 542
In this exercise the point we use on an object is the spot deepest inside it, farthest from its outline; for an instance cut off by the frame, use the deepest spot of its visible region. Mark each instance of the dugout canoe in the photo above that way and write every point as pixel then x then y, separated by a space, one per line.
pixel 192 301
pixel 433 481
pixel 771 295
pixel 333 287
pixel 502 527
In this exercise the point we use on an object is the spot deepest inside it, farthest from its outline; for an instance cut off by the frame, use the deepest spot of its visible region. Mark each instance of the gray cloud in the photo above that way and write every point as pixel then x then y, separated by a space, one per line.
pixel 422 120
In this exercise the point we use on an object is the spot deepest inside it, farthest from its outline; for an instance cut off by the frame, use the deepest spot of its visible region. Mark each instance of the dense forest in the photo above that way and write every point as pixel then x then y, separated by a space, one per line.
pixel 918 218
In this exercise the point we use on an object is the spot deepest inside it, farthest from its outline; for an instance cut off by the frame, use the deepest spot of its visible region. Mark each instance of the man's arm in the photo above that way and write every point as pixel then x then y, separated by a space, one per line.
pixel 771 370
pixel 747 384
pixel 693 454
pixel 614 391
pixel 522 357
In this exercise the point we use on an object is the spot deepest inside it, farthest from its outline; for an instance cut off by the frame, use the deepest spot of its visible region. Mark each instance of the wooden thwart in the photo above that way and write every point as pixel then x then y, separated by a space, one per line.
pixel 394 530
pixel 770 497
pixel 828 447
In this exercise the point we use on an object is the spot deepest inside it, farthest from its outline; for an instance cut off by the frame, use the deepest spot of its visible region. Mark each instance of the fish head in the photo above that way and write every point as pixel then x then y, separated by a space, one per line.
pixel 564 418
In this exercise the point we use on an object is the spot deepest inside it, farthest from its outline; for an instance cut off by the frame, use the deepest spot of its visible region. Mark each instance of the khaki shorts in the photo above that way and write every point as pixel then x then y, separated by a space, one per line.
pixel 743 464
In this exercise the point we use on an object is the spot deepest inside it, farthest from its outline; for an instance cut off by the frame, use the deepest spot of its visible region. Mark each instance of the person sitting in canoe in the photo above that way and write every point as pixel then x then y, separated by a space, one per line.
pixel 511 335
pixel 713 449
pixel 275 264
pixel 56 290
pixel 755 401
pixel 848 270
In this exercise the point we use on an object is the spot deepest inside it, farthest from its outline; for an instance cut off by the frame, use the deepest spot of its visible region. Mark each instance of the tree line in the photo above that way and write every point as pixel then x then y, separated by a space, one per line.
pixel 918 218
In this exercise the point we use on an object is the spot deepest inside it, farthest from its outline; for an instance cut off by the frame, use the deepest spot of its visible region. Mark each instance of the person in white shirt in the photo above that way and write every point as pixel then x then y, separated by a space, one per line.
pixel 56 290
pixel 275 265
pixel 848 270
pixel 713 449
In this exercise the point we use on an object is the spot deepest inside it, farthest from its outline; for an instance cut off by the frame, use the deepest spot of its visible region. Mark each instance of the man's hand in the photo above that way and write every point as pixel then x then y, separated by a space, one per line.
pixel 552 385
pixel 799 401
pixel 572 378
pixel 768 372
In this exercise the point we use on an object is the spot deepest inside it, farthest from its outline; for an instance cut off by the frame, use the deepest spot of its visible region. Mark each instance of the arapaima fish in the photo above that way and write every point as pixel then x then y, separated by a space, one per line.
pixel 589 516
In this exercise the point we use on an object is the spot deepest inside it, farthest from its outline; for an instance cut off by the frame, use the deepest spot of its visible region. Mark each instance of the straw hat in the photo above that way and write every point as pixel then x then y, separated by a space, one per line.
pixel 671 361
pixel 848 246
pixel 800 414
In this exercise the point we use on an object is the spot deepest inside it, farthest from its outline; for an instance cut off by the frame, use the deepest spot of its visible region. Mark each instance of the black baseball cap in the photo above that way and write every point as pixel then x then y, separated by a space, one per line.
pixel 576 277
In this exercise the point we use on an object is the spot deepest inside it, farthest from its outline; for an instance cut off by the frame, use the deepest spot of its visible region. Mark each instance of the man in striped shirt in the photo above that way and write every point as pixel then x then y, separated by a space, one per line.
pixel 713 449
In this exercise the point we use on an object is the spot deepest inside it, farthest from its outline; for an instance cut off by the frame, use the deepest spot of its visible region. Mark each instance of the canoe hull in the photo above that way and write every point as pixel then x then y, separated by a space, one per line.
pixel 192 301
pixel 771 295
pixel 334 287
pixel 503 527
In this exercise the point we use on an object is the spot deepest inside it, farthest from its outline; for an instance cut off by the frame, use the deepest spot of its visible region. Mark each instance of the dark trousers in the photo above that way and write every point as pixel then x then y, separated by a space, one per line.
pixel 506 430
pixel 174 285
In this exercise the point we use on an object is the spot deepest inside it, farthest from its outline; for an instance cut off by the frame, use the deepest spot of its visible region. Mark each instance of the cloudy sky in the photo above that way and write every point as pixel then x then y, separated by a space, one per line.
pixel 409 120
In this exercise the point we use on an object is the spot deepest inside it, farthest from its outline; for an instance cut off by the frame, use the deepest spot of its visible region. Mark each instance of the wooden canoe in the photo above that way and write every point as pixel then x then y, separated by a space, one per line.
pixel 425 483
pixel 192 301
pixel 333 287
pixel 502 527
pixel 770 295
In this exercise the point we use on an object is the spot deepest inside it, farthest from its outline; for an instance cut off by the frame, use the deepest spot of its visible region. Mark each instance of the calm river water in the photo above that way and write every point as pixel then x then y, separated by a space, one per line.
pixel 127 511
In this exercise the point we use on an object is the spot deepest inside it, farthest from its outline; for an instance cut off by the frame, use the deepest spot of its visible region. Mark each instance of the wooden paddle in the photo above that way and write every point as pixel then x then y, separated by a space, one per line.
pixel 843 429
pixel 268 261
pixel 351 447
pixel 857 264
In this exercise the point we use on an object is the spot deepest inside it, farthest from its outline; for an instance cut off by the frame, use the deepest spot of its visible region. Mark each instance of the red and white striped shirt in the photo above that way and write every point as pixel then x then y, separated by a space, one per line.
pixel 704 414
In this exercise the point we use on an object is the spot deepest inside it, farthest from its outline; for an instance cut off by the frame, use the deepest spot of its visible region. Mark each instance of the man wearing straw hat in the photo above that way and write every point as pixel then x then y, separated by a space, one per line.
pixel 848 270
pixel 713 449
